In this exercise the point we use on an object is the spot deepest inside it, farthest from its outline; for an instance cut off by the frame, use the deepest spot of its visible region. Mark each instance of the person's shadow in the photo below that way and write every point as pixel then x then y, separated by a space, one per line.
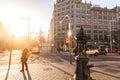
pixel 28 75
pixel 24 76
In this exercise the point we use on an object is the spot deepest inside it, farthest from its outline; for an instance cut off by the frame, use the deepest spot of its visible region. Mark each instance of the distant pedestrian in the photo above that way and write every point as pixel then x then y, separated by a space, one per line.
pixel 24 58
pixel 58 49
pixel 106 49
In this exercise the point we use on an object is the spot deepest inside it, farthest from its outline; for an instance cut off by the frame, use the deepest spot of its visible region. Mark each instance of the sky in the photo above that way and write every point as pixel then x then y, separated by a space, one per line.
pixel 39 11
pixel 103 3
pixel 14 12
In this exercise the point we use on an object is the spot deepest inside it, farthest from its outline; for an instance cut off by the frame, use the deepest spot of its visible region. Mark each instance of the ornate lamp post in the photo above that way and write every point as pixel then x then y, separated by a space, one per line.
pixel 82 68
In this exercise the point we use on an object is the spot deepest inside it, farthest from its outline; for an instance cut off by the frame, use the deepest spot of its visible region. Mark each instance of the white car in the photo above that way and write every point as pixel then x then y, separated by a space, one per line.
pixel 94 52
pixel 35 50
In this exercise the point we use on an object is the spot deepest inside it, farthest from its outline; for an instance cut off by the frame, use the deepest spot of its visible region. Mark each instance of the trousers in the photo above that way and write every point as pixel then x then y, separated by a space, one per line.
pixel 24 64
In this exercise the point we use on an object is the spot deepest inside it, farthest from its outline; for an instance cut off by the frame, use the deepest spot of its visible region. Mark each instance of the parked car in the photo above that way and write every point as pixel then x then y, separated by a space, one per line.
pixel 102 50
pixel 113 51
pixel 97 51
pixel 35 50
pixel 94 52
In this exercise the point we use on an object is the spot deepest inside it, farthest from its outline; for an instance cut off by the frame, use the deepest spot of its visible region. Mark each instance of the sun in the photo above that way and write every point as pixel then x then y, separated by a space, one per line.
pixel 19 27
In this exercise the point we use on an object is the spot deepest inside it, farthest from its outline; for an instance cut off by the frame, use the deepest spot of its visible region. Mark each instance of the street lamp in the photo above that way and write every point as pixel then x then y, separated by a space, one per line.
pixel 28 32
pixel 69 34
pixel 110 23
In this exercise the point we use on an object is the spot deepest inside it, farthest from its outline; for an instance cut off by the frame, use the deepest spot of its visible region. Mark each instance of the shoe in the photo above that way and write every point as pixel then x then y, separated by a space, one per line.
pixel 21 70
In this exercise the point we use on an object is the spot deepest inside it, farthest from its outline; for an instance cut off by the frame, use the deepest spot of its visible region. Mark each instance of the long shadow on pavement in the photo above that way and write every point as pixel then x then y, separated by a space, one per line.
pixel 106 74
pixel 7 73
pixel 61 70
pixel 24 76
pixel 8 65
pixel 29 76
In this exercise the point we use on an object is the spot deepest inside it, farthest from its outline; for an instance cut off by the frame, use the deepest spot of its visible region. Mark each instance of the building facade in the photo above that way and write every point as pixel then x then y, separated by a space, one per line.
pixel 101 25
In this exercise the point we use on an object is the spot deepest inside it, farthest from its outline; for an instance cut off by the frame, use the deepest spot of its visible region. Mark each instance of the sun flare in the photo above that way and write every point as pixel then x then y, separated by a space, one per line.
pixel 18 27
pixel 11 15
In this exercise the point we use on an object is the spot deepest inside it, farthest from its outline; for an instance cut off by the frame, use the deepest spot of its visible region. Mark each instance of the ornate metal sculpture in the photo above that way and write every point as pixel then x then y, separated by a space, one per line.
pixel 82 67
pixel 81 42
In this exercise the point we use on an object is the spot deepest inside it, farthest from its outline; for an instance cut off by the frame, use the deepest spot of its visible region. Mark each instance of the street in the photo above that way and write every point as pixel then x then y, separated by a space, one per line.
pixel 56 66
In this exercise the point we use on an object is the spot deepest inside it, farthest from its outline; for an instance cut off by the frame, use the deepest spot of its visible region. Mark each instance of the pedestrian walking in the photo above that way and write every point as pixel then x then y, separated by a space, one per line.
pixel 58 49
pixel 24 58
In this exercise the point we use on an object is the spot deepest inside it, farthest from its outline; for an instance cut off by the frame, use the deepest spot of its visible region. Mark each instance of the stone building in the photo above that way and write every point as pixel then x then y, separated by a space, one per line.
pixel 101 25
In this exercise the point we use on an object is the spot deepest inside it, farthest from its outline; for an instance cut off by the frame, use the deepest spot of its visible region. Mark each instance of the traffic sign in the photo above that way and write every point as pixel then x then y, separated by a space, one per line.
pixel 67 39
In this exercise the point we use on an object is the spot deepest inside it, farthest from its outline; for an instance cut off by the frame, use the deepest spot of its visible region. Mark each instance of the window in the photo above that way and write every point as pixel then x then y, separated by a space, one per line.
pixel 83 16
pixel 105 17
pixel 95 31
pixel 72 16
pixel 95 37
pixel 100 12
pixel 89 36
pixel 58 29
pixel 88 31
pixel 99 17
pixel 83 12
pixel 100 37
pixel 67 3
pixel 77 6
pixel 110 18
pixel 67 7
pixel 88 12
pixel 58 33
pixel 100 22
pixel 100 31
pixel 95 26
pixel 63 9
pixel 95 12
pixel 77 26
pixel 77 16
pixel 72 6
pixel 95 17
pixel 78 11
pixel 88 17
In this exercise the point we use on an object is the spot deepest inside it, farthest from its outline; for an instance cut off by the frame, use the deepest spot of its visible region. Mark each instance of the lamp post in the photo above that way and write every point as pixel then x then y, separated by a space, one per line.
pixel 110 37
pixel 28 29
pixel 69 35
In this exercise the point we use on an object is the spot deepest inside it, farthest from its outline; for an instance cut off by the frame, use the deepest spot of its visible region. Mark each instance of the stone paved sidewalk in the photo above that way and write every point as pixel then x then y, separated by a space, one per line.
pixel 46 70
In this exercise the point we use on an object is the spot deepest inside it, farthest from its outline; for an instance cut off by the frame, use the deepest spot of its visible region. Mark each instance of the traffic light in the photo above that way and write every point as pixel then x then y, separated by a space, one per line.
pixel 67 39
